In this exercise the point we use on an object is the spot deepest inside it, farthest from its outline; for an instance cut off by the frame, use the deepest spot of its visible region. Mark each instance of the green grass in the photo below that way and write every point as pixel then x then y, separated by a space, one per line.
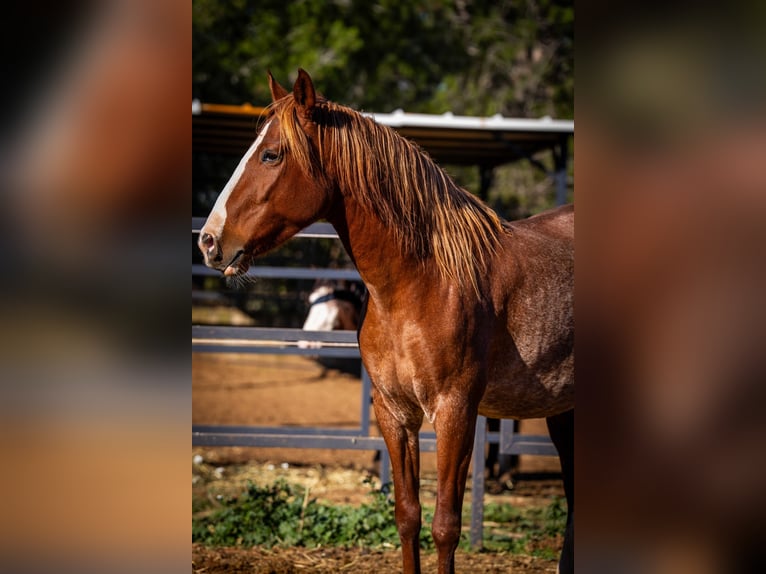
pixel 282 514
pixel 532 531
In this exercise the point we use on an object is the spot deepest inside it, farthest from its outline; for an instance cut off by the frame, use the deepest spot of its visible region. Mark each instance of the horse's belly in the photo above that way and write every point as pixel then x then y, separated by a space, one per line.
pixel 528 397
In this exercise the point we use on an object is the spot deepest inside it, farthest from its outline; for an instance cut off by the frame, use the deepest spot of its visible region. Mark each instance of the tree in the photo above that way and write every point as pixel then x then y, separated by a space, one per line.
pixel 377 56
pixel 472 57
pixel 521 57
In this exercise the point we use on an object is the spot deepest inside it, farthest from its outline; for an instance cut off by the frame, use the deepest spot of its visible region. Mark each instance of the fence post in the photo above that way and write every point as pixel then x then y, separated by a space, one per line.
pixel 477 483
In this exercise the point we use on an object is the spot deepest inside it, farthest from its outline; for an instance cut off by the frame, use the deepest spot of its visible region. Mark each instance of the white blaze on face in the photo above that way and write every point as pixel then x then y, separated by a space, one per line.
pixel 217 218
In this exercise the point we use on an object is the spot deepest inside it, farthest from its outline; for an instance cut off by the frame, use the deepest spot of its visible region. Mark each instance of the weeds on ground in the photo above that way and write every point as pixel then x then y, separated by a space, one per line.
pixel 534 531
pixel 282 514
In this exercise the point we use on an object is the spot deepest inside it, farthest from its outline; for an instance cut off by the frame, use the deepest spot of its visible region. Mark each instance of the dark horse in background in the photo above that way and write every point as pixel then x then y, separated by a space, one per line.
pixel 466 313
pixel 333 306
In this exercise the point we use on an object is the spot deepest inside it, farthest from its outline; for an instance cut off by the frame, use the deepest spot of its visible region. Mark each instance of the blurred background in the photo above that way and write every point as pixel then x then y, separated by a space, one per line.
pixel 95 175
pixel 670 278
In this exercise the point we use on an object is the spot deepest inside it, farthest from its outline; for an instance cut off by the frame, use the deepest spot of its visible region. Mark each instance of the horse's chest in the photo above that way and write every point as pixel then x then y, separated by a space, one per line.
pixel 410 371
pixel 393 366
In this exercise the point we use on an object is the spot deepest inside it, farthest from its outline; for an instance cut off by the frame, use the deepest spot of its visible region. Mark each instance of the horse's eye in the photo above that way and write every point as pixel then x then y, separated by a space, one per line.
pixel 270 156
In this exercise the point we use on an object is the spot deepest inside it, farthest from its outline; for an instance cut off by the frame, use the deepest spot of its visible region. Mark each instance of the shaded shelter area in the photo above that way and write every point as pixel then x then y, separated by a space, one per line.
pixel 486 142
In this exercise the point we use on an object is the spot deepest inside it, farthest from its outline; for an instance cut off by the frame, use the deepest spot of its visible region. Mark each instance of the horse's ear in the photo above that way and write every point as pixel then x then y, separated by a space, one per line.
pixel 277 91
pixel 303 92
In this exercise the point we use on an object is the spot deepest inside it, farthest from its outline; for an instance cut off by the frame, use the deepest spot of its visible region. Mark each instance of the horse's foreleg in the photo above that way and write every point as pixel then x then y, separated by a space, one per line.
pixel 454 443
pixel 561 429
pixel 404 450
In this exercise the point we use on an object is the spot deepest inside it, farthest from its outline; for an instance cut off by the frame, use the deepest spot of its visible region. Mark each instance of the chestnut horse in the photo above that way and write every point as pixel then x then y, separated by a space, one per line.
pixel 466 313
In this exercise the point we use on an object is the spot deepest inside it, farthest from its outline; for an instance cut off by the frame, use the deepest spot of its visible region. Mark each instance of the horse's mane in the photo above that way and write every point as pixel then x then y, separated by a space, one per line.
pixel 429 214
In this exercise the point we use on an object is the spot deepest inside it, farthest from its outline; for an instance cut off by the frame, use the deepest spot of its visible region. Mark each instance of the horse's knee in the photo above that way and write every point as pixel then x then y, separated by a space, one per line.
pixel 446 530
pixel 408 521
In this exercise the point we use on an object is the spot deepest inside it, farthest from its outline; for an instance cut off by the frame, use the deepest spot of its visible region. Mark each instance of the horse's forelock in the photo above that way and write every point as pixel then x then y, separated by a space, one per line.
pixel 292 137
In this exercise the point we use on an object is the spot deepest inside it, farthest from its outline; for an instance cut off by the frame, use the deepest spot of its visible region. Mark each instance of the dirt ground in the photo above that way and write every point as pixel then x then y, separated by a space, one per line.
pixel 285 390
pixel 335 560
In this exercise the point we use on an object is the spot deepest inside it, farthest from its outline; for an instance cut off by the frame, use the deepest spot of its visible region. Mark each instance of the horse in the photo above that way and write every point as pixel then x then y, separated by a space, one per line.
pixel 466 314
pixel 334 305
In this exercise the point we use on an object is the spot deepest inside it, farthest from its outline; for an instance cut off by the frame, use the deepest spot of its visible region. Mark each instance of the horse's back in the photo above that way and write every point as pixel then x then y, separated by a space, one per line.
pixel 557 222
pixel 541 248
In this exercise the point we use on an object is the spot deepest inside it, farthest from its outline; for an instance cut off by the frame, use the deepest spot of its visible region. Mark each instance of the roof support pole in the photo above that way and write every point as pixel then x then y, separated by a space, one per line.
pixel 561 157
pixel 486 177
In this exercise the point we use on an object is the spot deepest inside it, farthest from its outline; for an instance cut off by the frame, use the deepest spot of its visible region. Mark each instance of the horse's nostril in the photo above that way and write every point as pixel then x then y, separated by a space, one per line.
pixel 206 242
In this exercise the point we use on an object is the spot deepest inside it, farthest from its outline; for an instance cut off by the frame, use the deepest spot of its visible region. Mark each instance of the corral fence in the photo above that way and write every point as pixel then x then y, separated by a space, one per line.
pixel 337 344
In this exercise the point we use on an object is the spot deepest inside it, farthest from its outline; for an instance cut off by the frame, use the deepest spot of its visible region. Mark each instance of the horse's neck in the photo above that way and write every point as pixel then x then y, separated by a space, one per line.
pixel 385 270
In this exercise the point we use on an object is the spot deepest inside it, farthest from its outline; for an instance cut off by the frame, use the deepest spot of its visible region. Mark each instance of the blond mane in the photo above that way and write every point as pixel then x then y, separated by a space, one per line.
pixel 430 216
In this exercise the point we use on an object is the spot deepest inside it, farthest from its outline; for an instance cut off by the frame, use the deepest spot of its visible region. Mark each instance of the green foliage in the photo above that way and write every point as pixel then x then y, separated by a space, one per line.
pixel 525 530
pixel 520 64
pixel 477 57
pixel 380 55
pixel 283 515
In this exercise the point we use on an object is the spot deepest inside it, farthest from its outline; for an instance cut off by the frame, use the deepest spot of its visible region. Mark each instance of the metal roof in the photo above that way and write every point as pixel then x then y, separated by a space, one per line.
pixel 487 141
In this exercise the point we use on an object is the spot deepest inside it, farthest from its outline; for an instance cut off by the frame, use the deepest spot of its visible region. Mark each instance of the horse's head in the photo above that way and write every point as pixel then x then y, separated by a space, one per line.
pixel 277 188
